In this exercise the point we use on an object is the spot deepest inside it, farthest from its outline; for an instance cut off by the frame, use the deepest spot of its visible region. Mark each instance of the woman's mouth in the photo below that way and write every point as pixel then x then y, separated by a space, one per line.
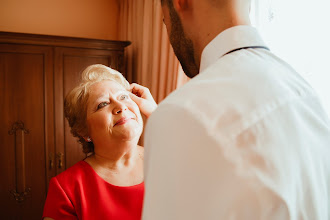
pixel 122 121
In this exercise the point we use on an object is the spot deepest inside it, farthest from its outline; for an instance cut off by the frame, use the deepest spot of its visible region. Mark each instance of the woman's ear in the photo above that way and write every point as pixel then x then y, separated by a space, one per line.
pixel 87 139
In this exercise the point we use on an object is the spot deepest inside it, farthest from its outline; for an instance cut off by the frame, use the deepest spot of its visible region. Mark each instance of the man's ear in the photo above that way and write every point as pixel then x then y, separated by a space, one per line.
pixel 182 5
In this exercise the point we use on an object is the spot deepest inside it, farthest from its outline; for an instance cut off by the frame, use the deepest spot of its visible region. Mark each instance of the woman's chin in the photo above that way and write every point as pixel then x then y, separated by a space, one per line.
pixel 128 134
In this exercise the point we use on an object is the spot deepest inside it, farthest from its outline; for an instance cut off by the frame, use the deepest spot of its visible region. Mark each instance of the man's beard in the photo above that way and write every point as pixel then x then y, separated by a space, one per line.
pixel 182 46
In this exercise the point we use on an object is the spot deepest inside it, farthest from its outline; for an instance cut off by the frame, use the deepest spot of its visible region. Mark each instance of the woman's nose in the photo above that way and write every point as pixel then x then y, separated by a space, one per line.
pixel 119 108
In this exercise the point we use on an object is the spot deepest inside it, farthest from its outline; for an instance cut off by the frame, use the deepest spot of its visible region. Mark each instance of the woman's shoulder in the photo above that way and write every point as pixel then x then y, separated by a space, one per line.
pixel 73 174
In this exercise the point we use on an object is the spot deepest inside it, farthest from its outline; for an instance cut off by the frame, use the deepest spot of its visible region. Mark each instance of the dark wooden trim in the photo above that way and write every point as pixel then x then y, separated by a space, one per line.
pixel 59 103
pixel 50 110
pixel 48 40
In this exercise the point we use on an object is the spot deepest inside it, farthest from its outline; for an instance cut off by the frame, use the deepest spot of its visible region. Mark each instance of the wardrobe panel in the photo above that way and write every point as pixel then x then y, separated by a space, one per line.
pixel 23 86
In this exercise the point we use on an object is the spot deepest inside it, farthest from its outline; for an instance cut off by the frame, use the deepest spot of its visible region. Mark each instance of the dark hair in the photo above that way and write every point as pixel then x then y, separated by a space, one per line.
pixel 165 1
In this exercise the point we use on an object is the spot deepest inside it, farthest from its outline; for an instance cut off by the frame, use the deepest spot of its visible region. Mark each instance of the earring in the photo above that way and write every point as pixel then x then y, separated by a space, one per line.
pixel 89 139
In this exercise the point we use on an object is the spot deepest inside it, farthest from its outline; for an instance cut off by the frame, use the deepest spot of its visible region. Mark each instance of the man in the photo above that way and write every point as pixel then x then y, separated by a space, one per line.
pixel 245 138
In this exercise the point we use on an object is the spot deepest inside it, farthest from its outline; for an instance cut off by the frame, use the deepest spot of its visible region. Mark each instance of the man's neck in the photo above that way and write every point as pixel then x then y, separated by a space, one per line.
pixel 209 27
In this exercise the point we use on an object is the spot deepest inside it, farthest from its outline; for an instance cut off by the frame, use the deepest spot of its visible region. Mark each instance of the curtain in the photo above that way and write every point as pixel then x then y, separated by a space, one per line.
pixel 297 31
pixel 150 59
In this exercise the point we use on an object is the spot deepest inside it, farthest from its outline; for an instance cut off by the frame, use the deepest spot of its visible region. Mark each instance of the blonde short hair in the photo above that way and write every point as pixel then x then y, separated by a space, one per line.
pixel 75 103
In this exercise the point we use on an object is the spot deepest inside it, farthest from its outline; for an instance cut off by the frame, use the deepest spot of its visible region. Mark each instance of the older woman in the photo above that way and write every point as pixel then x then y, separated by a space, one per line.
pixel 108 184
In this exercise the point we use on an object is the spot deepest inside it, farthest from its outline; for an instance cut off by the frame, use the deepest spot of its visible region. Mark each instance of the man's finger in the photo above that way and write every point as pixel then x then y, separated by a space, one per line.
pixel 139 90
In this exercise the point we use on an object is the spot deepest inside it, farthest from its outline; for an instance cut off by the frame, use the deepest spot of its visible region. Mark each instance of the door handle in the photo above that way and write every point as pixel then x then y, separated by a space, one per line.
pixel 51 161
pixel 60 159
pixel 21 191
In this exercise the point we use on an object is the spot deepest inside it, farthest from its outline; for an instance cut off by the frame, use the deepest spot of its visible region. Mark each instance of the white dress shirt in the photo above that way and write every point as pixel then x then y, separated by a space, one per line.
pixel 247 138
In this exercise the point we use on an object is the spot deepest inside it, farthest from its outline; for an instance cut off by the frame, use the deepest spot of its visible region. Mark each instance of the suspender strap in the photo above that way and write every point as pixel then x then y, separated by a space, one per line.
pixel 241 48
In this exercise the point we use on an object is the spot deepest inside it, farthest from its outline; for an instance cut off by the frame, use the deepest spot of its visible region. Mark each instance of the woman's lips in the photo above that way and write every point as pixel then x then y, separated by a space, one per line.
pixel 122 121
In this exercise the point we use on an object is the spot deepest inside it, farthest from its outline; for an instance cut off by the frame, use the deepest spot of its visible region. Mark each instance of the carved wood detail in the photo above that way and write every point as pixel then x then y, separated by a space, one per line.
pixel 21 192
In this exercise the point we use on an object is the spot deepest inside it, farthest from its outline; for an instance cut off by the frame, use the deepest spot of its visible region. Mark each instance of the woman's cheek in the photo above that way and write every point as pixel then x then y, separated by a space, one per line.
pixel 134 108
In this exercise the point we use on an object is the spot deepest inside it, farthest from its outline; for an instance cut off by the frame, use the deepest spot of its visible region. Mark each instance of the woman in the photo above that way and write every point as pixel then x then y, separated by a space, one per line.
pixel 108 184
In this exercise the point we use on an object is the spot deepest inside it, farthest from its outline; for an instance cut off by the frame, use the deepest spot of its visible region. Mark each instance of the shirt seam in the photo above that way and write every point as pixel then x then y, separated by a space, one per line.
pixel 277 104
pixel 246 121
pixel 64 192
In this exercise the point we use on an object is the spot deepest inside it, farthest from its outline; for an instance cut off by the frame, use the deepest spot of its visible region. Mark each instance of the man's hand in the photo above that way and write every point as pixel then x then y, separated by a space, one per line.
pixel 143 98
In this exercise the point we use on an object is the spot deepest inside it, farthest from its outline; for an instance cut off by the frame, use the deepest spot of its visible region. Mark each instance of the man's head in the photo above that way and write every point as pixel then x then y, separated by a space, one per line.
pixel 192 24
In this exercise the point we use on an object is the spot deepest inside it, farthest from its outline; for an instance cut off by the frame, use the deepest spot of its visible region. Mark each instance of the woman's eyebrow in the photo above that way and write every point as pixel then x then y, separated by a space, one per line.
pixel 99 98
pixel 121 91
pixel 107 95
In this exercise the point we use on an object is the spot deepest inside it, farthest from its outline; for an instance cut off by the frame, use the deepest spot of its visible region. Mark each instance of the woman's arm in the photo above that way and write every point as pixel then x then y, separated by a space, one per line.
pixel 57 204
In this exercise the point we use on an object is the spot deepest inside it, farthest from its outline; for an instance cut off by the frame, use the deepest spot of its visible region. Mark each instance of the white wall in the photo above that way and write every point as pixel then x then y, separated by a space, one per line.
pixel 74 18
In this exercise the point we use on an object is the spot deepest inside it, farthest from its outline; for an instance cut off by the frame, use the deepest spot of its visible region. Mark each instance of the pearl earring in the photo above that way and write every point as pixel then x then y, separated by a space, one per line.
pixel 89 139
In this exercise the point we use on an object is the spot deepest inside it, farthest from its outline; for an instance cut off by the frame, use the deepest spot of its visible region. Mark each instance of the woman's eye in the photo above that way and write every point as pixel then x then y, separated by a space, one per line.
pixel 102 104
pixel 123 97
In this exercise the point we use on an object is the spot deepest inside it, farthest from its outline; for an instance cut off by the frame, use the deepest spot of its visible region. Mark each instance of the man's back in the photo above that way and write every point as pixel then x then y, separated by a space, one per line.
pixel 245 139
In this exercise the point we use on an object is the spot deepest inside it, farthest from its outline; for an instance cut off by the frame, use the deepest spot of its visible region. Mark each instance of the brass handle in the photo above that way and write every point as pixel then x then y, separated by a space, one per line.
pixel 19 131
pixel 51 161
pixel 60 159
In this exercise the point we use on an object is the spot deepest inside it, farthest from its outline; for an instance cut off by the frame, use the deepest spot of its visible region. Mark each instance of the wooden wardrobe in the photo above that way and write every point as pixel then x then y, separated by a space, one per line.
pixel 36 72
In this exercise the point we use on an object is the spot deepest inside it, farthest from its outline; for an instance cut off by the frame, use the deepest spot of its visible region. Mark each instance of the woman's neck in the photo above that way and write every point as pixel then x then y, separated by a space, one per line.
pixel 126 169
pixel 116 157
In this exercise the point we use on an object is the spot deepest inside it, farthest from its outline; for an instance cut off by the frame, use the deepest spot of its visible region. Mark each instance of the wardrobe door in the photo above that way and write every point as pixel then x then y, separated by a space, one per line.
pixel 69 64
pixel 26 129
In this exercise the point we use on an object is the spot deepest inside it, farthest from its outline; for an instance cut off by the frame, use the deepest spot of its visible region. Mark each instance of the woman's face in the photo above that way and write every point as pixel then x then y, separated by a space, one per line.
pixel 111 115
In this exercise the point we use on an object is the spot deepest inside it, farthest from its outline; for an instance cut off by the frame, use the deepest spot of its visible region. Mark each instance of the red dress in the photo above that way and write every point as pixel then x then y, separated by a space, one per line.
pixel 80 193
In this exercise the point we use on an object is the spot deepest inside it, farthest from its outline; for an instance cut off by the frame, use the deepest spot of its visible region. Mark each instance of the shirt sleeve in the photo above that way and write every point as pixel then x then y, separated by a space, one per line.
pixel 189 176
pixel 58 205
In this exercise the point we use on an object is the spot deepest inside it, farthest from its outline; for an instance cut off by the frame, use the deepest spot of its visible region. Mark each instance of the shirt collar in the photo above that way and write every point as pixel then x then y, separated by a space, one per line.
pixel 228 40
